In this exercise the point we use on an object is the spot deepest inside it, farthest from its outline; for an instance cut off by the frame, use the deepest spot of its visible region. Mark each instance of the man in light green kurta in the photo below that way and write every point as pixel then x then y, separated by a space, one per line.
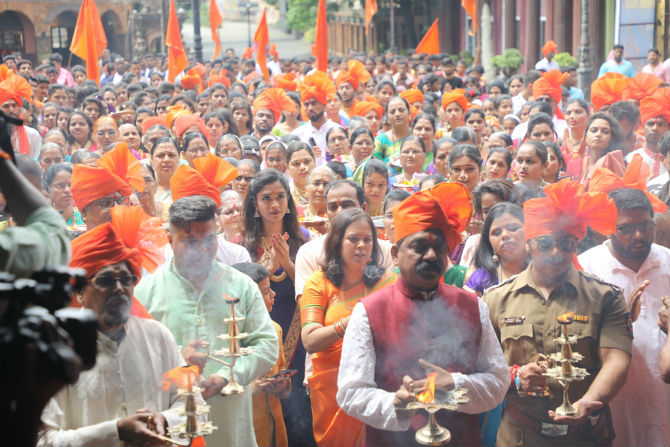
pixel 186 295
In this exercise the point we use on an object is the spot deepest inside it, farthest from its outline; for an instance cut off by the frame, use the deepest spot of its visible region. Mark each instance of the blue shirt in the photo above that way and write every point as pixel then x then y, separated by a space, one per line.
pixel 625 68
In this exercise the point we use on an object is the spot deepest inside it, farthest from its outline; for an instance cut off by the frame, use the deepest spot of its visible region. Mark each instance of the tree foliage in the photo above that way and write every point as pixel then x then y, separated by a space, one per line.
pixel 509 61
pixel 565 59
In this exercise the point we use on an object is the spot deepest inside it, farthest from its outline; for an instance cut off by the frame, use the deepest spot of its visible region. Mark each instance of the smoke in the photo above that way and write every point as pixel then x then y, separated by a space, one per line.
pixel 117 310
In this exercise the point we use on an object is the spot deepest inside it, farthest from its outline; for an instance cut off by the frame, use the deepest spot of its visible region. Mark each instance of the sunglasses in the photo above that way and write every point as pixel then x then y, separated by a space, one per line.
pixel 567 245
pixel 109 281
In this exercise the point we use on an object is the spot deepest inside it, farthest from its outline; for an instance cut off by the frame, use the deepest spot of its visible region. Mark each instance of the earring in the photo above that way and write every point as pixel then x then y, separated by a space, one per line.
pixel 256 214
pixel 495 258
pixel 288 211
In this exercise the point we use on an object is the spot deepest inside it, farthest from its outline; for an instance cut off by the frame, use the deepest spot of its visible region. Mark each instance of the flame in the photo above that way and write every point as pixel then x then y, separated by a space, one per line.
pixel 566 317
pixel 182 376
pixel 428 395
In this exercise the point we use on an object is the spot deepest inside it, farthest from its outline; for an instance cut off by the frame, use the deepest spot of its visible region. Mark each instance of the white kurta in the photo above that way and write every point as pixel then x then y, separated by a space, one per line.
pixel 641 409
pixel 124 379
pixel 360 397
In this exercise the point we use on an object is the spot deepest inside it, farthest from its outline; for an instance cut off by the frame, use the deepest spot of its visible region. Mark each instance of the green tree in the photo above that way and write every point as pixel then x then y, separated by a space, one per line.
pixel 509 61
pixel 565 59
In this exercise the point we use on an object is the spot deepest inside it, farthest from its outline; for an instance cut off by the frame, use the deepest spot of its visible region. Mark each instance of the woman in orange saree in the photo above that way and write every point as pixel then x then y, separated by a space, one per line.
pixel 351 272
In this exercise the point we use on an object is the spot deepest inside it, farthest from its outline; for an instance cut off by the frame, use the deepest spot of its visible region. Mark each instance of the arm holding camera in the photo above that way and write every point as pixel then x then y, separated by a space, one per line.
pixel 40 239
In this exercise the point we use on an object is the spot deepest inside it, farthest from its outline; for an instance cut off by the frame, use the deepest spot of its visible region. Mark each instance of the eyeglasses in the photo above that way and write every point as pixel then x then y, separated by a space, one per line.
pixel 275 160
pixel 317 183
pixel 414 152
pixel 567 245
pixel 109 281
pixel 102 133
pixel 245 178
pixel 109 202
pixel 642 227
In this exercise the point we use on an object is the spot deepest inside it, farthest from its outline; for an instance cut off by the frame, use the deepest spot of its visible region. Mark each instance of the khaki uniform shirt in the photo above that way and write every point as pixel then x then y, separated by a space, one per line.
pixel 527 325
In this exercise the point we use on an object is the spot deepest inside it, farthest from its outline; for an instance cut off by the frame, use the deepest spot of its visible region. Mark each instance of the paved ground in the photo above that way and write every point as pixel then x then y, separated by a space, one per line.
pixel 235 35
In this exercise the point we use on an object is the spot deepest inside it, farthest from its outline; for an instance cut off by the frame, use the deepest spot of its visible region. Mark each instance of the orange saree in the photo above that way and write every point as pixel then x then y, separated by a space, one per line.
pixel 323 303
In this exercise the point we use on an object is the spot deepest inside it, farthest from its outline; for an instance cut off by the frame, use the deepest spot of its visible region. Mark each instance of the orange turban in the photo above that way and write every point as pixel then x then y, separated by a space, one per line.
pixel 655 105
pixel 286 81
pixel 549 47
pixel 152 121
pixel 131 236
pixel 276 100
pixel 318 86
pixel 185 122
pixel 641 85
pixel 445 207
pixel 248 53
pixel 457 96
pixel 636 175
pixel 358 71
pixel 210 173
pixel 550 84
pixel 412 95
pixel 173 112
pixel 361 108
pixel 343 77
pixel 219 78
pixel 568 208
pixel 118 170
pixel 607 89
pixel 273 50
pixel 15 87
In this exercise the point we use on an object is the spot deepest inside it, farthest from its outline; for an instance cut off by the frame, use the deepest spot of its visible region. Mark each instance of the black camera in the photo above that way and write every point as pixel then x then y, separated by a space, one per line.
pixel 35 311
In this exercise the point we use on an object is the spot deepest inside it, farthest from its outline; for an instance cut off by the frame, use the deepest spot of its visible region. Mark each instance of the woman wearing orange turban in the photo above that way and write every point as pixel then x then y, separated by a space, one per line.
pixel 371 111
pixel 454 106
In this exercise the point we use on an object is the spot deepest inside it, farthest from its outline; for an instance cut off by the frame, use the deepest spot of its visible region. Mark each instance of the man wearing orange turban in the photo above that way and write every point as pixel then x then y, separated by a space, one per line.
pixel 655 119
pixel 524 313
pixel 267 109
pixel 349 82
pixel 547 63
pixel 316 90
pixel 548 89
pixel 396 335
pixel 13 90
pixel 639 86
pixel 133 353
pixel 631 260
pixel 96 190
pixel 455 104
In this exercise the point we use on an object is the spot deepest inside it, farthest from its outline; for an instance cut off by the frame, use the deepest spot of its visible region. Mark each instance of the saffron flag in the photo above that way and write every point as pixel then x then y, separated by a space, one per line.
pixel 261 41
pixel 177 60
pixel 470 7
pixel 430 44
pixel 89 38
pixel 320 49
pixel 215 21
pixel 370 11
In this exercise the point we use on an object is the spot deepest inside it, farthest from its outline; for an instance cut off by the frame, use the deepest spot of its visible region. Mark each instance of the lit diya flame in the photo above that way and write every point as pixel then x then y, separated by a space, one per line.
pixel 428 396
pixel 182 376
pixel 566 317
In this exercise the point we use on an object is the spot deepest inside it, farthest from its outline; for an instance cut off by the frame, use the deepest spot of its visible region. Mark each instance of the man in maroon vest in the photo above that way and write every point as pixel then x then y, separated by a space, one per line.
pixel 397 335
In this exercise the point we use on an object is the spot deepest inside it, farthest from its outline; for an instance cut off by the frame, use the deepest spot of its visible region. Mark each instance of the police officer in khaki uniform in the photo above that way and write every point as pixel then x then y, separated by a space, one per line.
pixel 524 312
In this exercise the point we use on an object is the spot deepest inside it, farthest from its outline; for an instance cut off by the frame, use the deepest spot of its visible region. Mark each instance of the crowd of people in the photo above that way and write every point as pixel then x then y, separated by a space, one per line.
pixel 395 219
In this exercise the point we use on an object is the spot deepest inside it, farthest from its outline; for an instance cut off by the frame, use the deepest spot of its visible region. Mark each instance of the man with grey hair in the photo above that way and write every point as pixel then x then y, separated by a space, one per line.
pixel 187 295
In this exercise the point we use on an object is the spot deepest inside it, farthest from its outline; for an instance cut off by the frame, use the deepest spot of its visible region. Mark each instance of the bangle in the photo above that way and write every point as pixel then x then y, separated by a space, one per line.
pixel 5 156
pixel 339 328
pixel 513 371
